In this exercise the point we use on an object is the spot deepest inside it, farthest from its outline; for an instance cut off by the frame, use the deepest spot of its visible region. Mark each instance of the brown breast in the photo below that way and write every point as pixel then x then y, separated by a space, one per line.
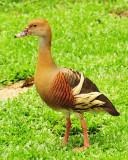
pixel 60 94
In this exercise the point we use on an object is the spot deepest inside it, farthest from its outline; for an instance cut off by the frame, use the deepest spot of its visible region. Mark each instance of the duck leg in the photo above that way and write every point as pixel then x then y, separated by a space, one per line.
pixel 86 141
pixel 84 127
pixel 68 126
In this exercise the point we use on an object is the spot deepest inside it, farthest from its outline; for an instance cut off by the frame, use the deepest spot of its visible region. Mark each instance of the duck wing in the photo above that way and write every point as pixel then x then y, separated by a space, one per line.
pixel 89 91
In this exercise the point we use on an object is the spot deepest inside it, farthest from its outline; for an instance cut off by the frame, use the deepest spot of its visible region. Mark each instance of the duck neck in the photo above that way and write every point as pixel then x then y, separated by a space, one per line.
pixel 45 60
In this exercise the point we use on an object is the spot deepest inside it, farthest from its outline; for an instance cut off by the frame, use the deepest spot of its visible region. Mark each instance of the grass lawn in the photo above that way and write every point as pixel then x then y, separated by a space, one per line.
pixel 85 37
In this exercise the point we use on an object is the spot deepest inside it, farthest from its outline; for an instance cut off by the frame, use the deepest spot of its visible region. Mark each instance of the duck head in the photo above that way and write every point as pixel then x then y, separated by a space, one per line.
pixel 36 27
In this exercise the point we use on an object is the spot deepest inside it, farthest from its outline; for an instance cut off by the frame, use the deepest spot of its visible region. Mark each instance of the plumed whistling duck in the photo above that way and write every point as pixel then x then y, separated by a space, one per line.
pixel 62 88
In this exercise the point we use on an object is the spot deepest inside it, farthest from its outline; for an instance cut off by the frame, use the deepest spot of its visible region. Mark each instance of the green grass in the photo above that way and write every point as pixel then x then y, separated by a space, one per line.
pixel 84 37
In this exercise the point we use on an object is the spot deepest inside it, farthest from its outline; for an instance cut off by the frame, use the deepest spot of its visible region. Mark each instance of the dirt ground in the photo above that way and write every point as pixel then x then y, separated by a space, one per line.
pixel 120 14
pixel 13 90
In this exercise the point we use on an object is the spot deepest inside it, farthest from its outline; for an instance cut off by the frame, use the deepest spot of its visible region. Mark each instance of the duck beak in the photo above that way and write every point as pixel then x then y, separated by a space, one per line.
pixel 24 33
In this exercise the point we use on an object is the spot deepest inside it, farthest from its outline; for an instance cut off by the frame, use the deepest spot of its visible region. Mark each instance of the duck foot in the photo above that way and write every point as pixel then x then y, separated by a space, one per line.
pixel 81 148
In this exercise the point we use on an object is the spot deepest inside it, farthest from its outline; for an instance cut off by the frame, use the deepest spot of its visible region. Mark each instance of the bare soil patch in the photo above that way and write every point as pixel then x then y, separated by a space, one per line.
pixel 120 14
pixel 13 90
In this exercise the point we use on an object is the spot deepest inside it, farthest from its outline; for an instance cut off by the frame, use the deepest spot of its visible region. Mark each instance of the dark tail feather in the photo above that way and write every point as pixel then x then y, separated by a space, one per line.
pixel 113 113
pixel 108 106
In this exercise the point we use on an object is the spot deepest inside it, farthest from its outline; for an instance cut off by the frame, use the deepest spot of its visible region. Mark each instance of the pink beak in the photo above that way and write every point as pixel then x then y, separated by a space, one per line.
pixel 24 33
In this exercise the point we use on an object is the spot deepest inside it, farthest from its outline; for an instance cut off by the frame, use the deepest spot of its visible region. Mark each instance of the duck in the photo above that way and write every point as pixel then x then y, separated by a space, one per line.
pixel 64 89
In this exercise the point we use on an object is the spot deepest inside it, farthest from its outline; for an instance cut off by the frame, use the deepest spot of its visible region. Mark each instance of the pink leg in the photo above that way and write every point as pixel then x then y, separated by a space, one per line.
pixel 84 127
pixel 86 141
pixel 68 126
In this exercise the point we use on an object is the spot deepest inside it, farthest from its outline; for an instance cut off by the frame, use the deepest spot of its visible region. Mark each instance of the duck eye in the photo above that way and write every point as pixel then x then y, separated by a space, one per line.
pixel 35 25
